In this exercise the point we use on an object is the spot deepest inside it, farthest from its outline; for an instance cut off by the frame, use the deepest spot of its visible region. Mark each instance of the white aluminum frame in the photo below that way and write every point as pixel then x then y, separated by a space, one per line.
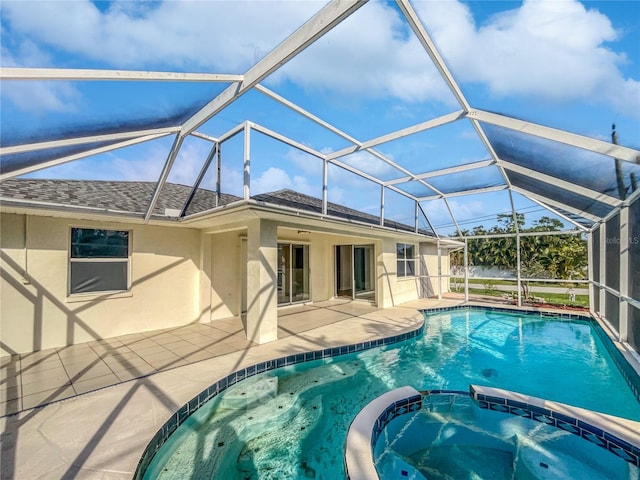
pixel 316 27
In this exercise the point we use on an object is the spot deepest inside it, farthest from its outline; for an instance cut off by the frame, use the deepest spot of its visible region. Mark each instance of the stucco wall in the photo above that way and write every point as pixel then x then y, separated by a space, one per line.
pixel 396 290
pixel 36 312
pixel 226 274
pixel 390 290
pixel 178 276
pixel 429 262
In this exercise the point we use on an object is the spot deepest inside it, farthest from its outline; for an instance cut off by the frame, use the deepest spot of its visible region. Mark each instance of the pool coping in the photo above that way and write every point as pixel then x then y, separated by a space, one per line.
pixel 617 435
pixel 184 412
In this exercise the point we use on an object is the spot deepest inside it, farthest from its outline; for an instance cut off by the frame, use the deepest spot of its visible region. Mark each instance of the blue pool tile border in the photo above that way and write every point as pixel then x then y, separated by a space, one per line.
pixel 626 370
pixel 184 412
pixel 595 435
pixel 403 406
pixel 537 313
pixel 578 427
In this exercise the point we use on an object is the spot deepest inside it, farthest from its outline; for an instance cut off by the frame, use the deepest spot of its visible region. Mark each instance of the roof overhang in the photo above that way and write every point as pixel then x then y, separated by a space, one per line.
pixel 231 216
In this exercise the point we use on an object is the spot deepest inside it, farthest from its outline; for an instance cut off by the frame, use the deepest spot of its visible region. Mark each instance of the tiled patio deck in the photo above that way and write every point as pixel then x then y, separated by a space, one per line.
pixel 54 374
pixel 100 402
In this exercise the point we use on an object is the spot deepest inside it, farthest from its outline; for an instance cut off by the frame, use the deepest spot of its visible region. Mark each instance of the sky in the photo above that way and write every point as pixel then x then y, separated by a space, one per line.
pixel 566 64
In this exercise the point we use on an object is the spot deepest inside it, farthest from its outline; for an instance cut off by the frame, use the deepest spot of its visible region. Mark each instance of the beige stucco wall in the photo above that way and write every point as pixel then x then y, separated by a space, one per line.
pixel 36 312
pixel 390 290
pixel 178 276
pixel 394 290
pixel 429 259
pixel 226 274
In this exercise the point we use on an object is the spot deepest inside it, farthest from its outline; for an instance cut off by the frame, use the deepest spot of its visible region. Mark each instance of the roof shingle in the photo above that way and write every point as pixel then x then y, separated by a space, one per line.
pixel 134 197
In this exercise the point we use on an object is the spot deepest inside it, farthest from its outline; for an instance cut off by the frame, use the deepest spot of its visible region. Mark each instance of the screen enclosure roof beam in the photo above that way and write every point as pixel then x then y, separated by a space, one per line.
pixel 31 147
pixel 555 212
pixel 554 203
pixel 573 139
pixel 296 108
pixel 322 22
pixel 370 143
pixel 558 182
pixel 68 74
pixel 77 156
pixel 405 132
pixel 204 136
pixel 173 153
pixel 286 140
pixel 332 157
pixel 430 47
pixel 462 193
pixel 426 42
pixel 443 171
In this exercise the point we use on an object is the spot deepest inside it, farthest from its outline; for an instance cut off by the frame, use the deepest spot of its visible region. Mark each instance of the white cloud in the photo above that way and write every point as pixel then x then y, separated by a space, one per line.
pixel 308 164
pixel 367 163
pixel 36 97
pixel 142 163
pixel 224 36
pixel 370 55
pixel 439 216
pixel 40 97
pixel 188 162
pixel 555 50
pixel 274 179
pixel 465 210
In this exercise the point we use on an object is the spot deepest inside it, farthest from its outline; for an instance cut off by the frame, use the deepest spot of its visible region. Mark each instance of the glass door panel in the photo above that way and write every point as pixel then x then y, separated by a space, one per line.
pixel 300 290
pixel 344 271
pixel 363 268
pixel 293 273
pixel 284 273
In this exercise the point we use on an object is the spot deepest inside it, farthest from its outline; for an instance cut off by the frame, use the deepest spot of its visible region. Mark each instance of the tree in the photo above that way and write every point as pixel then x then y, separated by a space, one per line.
pixel 561 256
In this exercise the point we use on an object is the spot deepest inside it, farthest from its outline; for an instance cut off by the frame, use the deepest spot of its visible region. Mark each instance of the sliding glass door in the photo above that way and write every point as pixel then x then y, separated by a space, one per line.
pixel 355 266
pixel 344 271
pixel 293 273
pixel 363 268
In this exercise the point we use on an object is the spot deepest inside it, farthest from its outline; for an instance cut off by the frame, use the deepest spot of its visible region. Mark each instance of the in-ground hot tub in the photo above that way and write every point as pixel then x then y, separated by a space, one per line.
pixel 487 433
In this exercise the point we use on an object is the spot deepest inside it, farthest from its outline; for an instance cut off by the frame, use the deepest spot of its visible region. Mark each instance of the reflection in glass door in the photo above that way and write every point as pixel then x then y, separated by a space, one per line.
pixel 300 290
pixel 284 273
pixel 363 268
pixel 293 273
pixel 344 271
pixel 354 271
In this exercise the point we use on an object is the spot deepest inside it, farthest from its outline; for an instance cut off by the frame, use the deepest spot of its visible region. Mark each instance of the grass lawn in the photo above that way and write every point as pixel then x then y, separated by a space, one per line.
pixel 551 298
pixel 477 281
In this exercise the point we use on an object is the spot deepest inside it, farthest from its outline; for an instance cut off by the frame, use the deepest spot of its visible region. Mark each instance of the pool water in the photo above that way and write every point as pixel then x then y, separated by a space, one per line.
pixel 291 423
pixel 452 438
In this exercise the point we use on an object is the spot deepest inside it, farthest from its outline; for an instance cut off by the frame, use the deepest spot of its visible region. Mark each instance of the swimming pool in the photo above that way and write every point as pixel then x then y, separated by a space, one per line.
pixel 291 422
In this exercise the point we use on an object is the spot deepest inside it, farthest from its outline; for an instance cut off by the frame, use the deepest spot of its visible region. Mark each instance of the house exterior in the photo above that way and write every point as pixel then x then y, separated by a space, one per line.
pixel 79 263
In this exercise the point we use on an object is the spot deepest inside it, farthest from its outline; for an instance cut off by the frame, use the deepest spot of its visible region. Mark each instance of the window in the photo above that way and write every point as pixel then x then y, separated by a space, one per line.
pixel 98 261
pixel 406 260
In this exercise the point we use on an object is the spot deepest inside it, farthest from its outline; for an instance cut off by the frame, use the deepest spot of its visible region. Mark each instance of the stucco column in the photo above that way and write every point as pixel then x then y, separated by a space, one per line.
pixel 204 280
pixel 385 272
pixel 262 301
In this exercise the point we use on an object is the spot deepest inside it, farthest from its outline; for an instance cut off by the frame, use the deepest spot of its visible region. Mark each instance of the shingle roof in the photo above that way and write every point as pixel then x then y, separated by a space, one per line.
pixel 300 201
pixel 118 196
pixel 134 197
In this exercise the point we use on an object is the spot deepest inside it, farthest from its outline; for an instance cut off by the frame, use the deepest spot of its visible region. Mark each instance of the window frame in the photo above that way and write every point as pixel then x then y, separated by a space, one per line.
pixel 401 272
pixel 93 260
